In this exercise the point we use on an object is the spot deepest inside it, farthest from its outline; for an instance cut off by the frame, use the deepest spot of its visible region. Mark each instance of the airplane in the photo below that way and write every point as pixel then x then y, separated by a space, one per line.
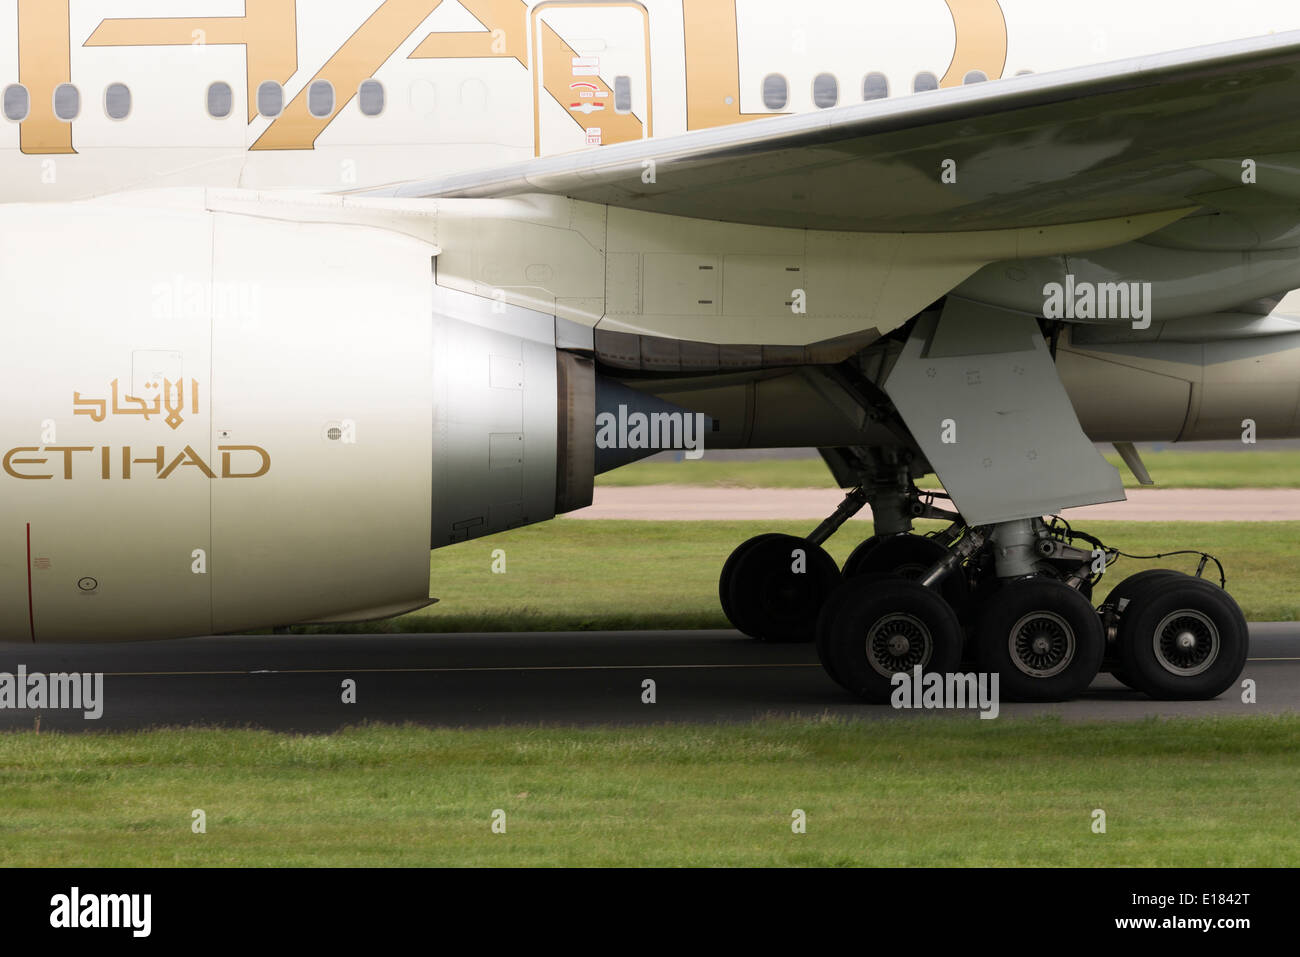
pixel 293 292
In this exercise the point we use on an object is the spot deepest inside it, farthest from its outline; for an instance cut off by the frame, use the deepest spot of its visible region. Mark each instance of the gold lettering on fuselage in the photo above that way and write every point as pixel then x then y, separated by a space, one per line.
pixel 713 55
pixel 99 409
pixel 128 461
pixel 67 451
pixel 712 64
pixel 364 52
pixel 505 34
pixel 11 459
pixel 187 457
pixel 228 450
pixel 164 466
pixel 268 31
pixel 981 40
pixel 44 62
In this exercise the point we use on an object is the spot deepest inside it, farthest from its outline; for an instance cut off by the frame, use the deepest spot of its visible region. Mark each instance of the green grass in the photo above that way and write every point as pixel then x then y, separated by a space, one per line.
pixel 569 575
pixel 1170 469
pixel 944 792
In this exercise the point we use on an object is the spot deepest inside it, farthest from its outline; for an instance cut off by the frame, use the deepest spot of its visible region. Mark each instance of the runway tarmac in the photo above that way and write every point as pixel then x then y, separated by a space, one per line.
pixel 294 683
pixel 686 502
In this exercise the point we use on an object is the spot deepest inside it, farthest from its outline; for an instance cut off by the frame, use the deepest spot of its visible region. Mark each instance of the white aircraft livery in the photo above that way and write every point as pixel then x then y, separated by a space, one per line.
pixel 292 291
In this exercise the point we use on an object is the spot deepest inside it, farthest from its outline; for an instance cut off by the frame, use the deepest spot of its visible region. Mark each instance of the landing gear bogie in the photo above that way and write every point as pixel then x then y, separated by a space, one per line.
pixel 1011 599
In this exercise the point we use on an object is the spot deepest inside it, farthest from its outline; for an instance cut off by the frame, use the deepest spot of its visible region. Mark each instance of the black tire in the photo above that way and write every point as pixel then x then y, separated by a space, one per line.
pixel 768 599
pixel 1126 591
pixel 1043 638
pixel 909 557
pixel 830 608
pixel 855 638
pixel 729 570
pixel 1129 587
pixel 1169 612
pixel 856 557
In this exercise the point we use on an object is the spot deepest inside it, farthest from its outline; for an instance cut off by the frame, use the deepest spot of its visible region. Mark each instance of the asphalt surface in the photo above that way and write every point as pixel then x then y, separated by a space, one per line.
pixel 294 683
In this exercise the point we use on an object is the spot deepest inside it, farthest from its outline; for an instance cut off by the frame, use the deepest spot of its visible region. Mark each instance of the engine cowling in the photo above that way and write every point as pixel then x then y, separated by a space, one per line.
pixel 216 422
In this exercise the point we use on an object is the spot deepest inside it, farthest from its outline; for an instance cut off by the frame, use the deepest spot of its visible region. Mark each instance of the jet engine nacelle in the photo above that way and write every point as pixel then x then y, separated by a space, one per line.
pixel 1183 391
pixel 214 421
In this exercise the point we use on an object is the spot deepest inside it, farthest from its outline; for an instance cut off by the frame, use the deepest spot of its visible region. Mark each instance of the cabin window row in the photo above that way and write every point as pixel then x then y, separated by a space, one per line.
pixel 220 99
pixel 875 86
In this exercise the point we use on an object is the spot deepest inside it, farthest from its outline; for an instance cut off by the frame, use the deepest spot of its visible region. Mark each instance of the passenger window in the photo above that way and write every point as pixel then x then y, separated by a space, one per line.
pixel 17 104
pixel 117 101
pixel 221 100
pixel 370 97
pixel 622 94
pixel 320 99
pixel 875 87
pixel 924 82
pixel 975 76
pixel 826 91
pixel 270 98
pixel 67 102
pixel 776 91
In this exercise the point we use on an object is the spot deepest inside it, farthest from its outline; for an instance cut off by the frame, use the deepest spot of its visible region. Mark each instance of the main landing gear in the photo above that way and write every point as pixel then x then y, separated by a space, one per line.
pixel 1012 599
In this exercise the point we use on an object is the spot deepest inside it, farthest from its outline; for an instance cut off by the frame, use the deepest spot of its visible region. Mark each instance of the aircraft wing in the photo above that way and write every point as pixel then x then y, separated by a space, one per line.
pixel 1136 136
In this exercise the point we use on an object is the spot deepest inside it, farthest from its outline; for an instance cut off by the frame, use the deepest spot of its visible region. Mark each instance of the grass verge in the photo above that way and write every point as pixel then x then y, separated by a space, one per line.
pixel 572 575
pixel 1217 792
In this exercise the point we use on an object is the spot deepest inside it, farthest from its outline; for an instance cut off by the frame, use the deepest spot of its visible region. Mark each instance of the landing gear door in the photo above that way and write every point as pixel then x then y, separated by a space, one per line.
pixel 591 75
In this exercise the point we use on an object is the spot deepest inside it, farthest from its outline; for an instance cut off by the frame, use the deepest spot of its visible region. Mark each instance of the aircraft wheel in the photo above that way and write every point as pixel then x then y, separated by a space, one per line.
pixel 866 636
pixel 1183 639
pixel 858 556
pixel 774 593
pixel 830 609
pixel 728 573
pixel 1128 589
pixel 1043 638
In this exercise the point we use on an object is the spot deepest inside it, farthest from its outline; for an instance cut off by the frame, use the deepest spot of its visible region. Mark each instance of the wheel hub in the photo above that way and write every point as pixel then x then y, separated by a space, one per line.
pixel 1042 644
pixel 898 642
pixel 1186 642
